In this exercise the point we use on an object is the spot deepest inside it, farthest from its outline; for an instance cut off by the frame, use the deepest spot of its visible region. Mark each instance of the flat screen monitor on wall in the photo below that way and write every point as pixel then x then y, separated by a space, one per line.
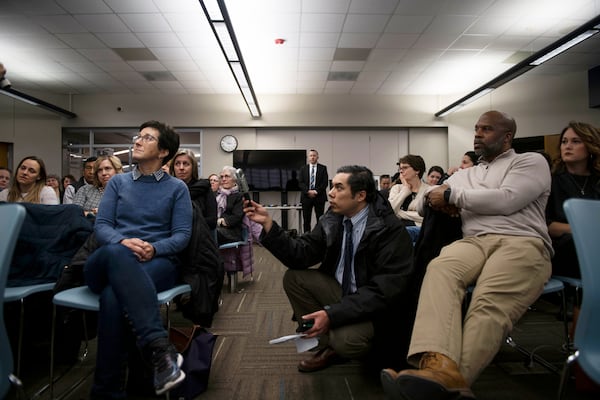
pixel 270 170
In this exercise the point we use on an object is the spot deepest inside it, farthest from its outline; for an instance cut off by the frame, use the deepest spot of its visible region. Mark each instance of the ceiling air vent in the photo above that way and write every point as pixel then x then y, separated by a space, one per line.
pixel 343 75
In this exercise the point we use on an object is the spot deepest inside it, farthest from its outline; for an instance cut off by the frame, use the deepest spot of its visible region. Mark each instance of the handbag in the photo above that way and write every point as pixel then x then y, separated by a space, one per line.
pixel 196 344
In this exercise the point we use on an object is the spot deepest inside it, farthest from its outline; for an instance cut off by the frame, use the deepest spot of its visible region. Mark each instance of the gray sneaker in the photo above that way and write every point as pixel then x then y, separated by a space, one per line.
pixel 167 368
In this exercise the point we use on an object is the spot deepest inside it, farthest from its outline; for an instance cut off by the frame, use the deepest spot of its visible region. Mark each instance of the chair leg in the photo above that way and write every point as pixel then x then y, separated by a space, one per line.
pixel 565 374
pixel 565 321
pixel 20 339
pixel 232 275
pixel 52 339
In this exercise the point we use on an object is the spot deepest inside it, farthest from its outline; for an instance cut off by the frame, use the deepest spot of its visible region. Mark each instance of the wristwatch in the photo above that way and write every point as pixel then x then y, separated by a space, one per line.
pixel 447 195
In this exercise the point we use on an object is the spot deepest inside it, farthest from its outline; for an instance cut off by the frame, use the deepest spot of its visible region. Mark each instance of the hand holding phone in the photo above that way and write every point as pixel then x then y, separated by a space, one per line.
pixel 306 325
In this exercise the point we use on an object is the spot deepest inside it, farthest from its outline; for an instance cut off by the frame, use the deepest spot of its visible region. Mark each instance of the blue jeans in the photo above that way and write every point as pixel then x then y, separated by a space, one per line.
pixel 127 290
pixel 413 231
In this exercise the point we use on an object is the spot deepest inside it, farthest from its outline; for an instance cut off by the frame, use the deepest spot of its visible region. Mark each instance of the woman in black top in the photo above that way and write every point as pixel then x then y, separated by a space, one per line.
pixel 575 174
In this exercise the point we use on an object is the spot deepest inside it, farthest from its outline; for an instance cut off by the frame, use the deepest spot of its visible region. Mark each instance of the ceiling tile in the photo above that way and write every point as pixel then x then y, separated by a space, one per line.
pixel 59 24
pixel 131 6
pixel 162 39
pixel 146 22
pixel 84 6
pixel 408 24
pixel 120 40
pixel 358 40
pixel 322 22
pixel 106 23
pixel 81 40
pixel 365 23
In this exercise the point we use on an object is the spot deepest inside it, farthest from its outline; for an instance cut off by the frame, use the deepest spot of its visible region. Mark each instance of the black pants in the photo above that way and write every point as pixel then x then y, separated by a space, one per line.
pixel 307 206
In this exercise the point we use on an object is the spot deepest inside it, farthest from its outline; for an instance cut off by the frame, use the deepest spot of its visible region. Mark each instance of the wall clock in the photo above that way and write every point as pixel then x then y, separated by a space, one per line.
pixel 229 143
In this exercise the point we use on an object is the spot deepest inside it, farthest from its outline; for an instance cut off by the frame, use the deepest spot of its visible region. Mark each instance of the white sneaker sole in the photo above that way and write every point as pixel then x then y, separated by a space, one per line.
pixel 170 385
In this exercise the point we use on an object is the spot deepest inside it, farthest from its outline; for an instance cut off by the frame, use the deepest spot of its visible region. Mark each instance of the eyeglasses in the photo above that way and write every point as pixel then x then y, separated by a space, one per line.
pixel 225 176
pixel 404 167
pixel 147 138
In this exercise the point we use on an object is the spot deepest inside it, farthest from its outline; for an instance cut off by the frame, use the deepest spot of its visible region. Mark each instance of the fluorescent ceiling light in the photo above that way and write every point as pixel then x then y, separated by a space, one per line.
pixel 213 10
pixel 218 17
pixel 225 41
pixel 25 98
pixel 580 34
pixel 564 47
pixel 14 96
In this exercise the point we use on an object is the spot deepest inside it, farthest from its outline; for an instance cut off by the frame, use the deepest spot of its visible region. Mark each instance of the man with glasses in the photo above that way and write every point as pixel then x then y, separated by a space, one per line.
pixel 360 298
pixel 144 221
pixel 505 252
pixel 86 179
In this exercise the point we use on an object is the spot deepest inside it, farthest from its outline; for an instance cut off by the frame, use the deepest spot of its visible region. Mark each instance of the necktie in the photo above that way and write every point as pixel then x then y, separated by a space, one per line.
pixel 312 177
pixel 348 254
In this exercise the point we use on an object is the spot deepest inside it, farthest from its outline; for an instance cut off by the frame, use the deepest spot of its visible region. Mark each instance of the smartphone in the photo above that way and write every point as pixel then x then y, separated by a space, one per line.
pixel 242 183
pixel 306 325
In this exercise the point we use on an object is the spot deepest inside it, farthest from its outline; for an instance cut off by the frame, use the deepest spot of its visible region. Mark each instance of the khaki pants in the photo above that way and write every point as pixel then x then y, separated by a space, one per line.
pixel 309 290
pixel 509 273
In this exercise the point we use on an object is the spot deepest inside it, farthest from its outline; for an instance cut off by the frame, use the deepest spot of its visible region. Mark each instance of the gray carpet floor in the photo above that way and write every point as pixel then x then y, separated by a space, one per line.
pixel 245 366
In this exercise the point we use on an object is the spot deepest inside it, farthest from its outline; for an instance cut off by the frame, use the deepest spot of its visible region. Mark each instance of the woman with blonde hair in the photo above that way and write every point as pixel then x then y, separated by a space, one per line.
pixel 576 173
pixel 29 184
pixel 89 196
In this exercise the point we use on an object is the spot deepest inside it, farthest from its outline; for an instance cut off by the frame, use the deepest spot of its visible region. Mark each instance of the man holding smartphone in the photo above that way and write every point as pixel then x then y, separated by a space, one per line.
pixel 359 300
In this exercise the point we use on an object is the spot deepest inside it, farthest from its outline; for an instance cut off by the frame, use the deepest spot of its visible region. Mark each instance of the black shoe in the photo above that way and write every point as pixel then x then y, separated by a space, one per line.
pixel 167 366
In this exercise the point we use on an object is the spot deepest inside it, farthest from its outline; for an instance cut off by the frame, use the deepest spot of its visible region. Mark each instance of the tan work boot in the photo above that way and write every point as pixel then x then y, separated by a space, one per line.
pixel 440 369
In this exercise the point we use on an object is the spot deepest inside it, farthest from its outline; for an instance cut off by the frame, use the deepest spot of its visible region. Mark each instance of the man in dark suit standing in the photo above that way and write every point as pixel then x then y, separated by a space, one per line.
pixel 313 182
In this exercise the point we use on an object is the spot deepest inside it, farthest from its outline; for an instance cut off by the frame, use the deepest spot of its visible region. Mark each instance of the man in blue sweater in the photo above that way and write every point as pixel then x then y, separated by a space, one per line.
pixel 144 220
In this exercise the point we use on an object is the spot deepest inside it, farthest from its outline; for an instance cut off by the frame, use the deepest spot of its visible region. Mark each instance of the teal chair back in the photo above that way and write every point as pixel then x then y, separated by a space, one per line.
pixel 584 218
pixel 11 219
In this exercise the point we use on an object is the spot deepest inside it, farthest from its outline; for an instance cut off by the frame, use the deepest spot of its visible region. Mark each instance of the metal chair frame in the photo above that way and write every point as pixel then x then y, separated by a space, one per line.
pixel 82 298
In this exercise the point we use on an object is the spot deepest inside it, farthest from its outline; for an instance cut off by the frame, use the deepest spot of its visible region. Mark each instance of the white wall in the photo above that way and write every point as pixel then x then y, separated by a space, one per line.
pixel 540 104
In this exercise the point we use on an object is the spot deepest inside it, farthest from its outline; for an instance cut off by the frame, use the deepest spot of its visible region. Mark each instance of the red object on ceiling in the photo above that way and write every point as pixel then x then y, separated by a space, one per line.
pixel 279 41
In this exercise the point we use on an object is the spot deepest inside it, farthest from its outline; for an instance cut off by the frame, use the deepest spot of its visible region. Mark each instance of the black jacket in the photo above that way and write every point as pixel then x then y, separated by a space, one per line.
pixel 383 270
pixel 202 268
pixel 233 216
pixel 202 195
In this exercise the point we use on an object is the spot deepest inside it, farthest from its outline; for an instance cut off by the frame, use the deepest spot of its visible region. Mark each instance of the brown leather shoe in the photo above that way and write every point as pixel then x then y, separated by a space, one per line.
pixel 320 360
pixel 440 369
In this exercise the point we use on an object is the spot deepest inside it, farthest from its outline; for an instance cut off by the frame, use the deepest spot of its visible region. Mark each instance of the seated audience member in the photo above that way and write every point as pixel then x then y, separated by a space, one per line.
pixel 404 196
pixel 66 181
pixel 86 179
pixel 185 167
pixel 361 285
pixel 469 159
pixel 229 208
pixel 52 180
pixel 167 167
pixel 505 252
pixel 5 175
pixel 385 182
pixel 435 175
pixel 215 182
pixel 575 174
pixel 89 196
pixel 29 184
pixel 144 221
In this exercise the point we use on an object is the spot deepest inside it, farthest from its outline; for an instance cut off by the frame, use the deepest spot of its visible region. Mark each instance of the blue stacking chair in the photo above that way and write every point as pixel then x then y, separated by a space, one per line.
pixel 583 216
pixel 12 217
pixel 19 293
pixel 82 298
